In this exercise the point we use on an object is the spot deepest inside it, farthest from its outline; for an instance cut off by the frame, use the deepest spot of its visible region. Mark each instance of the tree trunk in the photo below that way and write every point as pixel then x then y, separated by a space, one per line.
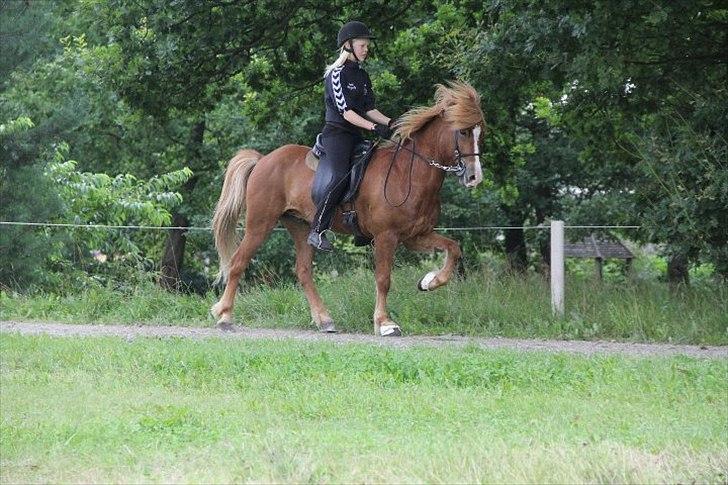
pixel 174 250
pixel 544 248
pixel 545 207
pixel 677 270
pixel 516 250
pixel 173 257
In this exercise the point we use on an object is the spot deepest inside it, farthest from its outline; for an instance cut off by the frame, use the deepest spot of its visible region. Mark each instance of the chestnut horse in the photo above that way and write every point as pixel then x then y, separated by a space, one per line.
pixel 398 201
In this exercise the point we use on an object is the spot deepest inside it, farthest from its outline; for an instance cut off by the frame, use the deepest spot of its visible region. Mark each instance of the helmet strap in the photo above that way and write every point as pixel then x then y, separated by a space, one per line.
pixel 350 49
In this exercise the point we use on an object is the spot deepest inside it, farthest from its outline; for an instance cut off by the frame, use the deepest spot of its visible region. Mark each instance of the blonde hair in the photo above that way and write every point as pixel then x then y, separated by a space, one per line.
pixel 343 56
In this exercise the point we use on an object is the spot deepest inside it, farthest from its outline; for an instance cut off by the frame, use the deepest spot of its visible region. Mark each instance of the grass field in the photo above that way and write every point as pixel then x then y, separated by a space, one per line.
pixel 173 410
pixel 483 304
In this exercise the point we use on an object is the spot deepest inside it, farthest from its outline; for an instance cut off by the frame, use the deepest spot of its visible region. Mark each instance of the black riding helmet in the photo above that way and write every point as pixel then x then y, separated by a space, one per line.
pixel 353 30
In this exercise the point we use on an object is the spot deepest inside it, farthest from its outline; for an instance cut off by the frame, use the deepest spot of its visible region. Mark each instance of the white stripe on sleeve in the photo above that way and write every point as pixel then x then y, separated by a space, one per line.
pixel 336 88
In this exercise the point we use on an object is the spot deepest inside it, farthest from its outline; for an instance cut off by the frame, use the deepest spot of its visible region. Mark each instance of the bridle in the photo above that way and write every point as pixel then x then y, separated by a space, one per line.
pixel 458 169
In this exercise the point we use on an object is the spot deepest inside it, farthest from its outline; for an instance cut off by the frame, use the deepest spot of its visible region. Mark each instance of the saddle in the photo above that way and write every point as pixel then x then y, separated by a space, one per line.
pixel 361 157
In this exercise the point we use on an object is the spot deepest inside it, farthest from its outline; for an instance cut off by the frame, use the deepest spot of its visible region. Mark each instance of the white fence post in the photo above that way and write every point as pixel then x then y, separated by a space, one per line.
pixel 557 267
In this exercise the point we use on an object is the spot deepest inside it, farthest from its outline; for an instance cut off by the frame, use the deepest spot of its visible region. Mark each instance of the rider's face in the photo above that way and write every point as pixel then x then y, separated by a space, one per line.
pixel 361 48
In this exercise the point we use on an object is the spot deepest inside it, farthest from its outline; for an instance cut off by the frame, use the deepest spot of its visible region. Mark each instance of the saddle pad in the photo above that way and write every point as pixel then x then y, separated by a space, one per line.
pixel 314 154
pixel 312 160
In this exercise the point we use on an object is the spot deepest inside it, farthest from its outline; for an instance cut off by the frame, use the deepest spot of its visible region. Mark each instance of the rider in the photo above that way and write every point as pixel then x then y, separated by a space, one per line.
pixel 349 109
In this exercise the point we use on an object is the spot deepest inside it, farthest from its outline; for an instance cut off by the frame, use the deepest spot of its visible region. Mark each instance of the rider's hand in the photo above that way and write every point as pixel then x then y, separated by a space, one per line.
pixel 383 131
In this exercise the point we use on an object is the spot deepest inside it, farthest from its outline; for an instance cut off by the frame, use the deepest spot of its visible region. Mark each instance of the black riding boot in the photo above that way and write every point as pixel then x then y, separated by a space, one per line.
pixel 322 220
pixel 330 182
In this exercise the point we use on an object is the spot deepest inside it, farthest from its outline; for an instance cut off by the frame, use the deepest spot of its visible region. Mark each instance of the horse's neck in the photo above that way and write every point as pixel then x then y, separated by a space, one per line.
pixel 432 142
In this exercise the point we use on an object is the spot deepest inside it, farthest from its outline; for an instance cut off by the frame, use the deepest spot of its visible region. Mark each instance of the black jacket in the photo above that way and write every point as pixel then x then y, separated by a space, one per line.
pixel 347 88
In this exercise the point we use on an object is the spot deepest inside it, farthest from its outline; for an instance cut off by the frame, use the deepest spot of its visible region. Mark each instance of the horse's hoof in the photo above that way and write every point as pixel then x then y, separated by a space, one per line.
pixel 424 284
pixel 328 327
pixel 226 326
pixel 390 331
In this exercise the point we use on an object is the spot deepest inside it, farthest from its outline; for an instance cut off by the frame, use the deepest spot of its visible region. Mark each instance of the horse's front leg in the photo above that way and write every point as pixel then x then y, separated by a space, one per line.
pixel 429 242
pixel 384 246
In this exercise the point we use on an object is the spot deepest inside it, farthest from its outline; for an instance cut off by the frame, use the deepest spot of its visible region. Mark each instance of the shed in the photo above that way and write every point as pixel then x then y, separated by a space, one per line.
pixel 599 250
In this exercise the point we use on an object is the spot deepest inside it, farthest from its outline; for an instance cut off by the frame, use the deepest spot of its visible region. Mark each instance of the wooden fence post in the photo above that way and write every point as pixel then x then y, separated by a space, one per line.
pixel 557 267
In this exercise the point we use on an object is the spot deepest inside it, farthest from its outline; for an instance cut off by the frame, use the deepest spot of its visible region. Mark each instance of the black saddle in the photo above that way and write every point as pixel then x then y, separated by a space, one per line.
pixel 361 156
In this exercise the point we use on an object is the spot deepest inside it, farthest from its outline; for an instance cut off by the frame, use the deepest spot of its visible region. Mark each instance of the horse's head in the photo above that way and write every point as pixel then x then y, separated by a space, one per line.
pixel 458 106
pixel 467 154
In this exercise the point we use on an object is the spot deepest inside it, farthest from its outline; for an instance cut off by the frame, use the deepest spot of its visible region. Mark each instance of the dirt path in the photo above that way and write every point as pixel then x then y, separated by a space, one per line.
pixel 573 346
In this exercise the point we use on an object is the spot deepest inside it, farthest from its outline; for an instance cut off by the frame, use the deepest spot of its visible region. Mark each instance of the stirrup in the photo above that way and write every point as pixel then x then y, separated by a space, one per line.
pixel 318 240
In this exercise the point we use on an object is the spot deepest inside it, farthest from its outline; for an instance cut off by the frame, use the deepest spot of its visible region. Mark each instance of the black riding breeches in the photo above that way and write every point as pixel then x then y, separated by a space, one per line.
pixel 332 174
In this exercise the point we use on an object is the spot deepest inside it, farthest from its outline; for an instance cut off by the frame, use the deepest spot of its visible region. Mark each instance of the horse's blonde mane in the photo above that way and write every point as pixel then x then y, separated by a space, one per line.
pixel 458 102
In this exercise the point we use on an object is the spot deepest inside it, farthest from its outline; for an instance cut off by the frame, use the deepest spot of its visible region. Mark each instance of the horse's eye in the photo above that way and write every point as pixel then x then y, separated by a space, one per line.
pixel 464 132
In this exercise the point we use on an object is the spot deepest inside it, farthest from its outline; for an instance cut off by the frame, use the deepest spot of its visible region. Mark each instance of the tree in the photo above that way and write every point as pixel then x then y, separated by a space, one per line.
pixel 24 195
pixel 640 88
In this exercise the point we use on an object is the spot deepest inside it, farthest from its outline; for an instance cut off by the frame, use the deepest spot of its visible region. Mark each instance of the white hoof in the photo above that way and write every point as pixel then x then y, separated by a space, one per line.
pixel 390 331
pixel 215 310
pixel 426 280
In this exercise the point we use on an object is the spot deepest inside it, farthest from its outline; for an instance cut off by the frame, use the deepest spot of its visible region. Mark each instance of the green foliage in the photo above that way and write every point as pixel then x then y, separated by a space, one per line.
pixel 633 87
pixel 25 195
pixel 15 126
pixel 647 90
pixel 544 109
pixel 59 193
pixel 686 189
pixel 29 31
pixel 97 198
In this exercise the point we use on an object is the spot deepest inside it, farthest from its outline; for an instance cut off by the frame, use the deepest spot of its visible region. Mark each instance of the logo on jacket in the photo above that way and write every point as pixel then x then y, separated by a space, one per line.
pixel 351 87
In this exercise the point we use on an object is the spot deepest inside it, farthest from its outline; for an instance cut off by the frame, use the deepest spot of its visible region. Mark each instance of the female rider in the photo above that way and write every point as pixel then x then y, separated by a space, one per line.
pixel 349 109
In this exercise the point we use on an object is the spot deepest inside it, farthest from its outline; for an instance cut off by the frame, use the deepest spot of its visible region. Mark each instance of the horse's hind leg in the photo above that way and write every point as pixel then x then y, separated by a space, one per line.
pixel 256 232
pixel 304 270
pixel 429 242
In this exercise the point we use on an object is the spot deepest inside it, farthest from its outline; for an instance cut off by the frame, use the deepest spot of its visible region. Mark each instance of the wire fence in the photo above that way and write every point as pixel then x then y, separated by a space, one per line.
pixel 556 236
pixel 209 229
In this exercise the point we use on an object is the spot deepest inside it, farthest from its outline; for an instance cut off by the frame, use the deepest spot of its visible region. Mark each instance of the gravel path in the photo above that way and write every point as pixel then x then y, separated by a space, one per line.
pixel 248 333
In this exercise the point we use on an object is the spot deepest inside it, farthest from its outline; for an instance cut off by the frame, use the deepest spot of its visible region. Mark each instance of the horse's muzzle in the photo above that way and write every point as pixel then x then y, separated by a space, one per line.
pixel 473 175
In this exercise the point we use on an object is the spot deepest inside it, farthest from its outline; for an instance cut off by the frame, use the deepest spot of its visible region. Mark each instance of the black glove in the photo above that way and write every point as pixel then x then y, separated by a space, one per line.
pixel 383 131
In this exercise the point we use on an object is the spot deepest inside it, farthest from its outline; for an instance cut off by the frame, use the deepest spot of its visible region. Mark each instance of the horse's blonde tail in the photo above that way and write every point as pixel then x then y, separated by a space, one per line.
pixel 230 208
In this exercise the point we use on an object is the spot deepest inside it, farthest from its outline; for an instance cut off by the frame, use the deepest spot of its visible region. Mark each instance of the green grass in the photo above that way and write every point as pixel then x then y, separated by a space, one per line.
pixel 174 410
pixel 483 304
